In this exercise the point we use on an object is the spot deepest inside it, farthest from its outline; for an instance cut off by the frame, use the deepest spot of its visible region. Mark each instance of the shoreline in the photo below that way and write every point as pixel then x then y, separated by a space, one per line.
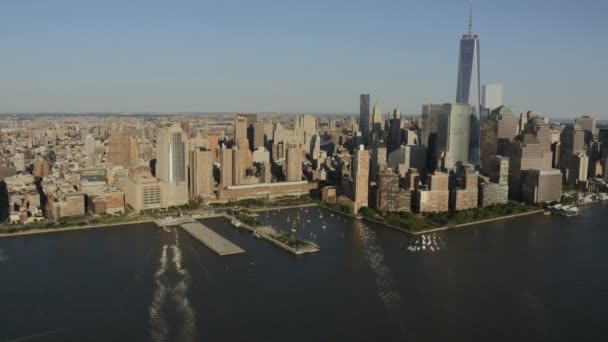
pixel 467 224
pixel 400 229
pixel 438 229
pixel 67 229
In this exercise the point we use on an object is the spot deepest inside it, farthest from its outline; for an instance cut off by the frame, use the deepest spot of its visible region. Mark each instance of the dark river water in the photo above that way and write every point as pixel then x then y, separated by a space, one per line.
pixel 535 279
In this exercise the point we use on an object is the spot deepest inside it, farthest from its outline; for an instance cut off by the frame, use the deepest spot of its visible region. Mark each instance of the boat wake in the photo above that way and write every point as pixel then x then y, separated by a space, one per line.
pixel 385 283
pixel 170 299
pixel 3 256
pixel 426 243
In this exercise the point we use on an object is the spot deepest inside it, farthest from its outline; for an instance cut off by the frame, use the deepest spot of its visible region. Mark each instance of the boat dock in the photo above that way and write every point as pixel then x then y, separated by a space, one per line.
pixel 211 239
pixel 268 233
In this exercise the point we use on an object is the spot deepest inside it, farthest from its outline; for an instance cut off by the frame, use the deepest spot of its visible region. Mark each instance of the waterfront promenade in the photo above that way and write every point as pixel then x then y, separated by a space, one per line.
pixel 209 215
pixel 434 230
pixel 67 229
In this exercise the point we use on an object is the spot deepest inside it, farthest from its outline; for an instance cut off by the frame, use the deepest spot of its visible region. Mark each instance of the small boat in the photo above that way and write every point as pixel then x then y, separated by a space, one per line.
pixel 293 230
pixel 308 221
pixel 324 226
pixel 547 213
pixel 165 228
pixel 288 219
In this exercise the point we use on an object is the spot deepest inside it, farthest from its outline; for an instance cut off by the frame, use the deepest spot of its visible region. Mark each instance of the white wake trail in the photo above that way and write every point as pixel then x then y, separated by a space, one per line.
pixel 386 284
pixel 187 329
pixel 159 328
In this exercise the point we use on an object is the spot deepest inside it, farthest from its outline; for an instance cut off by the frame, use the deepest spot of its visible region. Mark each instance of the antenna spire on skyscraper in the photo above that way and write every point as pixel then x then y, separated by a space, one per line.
pixel 470 17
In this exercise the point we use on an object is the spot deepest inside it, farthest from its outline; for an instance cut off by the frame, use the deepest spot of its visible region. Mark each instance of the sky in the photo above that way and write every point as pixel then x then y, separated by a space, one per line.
pixel 296 56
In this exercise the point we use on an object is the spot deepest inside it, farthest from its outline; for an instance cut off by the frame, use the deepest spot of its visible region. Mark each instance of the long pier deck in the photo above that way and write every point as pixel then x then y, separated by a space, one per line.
pixel 211 239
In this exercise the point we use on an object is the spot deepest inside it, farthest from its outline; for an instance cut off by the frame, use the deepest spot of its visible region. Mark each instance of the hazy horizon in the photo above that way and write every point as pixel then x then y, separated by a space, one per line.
pixel 292 57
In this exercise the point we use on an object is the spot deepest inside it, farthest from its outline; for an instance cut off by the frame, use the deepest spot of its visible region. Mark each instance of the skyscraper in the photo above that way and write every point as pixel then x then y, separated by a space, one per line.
pixel 453 134
pixel 171 163
pixel 377 122
pixel 226 165
pixel 572 143
pixel 120 149
pixel 587 123
pixel 240 128
pixel 245 126
pixel 201 172
pixel 364 111
pixel 468 87
pixel 377 115
pixel 491 96
pixel 497 132
pixel 293 163
pixel 360 176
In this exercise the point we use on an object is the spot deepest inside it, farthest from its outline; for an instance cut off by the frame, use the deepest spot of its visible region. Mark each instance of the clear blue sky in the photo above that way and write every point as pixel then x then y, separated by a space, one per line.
pixel 297 56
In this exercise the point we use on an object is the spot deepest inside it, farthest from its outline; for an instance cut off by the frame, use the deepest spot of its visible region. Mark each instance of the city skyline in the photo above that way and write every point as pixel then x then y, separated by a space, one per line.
pixel 139 64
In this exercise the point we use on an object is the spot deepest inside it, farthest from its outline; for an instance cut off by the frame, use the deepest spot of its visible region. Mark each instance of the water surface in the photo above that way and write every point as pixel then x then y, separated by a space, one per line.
pixel 532 278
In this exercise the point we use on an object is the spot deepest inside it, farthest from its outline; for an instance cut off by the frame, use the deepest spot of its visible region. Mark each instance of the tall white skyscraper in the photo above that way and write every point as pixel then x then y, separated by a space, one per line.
pixel 171 163
pixel 468 89
pixel 491 96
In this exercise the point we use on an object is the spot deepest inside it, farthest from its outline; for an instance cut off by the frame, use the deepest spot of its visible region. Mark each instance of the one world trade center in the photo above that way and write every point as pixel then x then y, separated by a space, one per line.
pixel 468 89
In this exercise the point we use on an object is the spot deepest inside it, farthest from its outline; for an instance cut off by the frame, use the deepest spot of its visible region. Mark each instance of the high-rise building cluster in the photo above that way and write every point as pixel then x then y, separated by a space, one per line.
pixel 473 152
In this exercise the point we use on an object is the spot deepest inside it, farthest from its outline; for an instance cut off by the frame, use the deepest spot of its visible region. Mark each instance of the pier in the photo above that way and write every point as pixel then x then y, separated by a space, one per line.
pixel 211 239
pixel 268 233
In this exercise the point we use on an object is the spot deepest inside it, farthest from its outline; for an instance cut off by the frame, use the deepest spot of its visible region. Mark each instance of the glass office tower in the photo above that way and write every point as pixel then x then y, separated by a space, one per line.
pixel 468 89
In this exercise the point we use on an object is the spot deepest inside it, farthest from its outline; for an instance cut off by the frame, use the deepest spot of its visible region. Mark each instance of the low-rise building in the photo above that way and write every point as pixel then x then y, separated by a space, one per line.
pixel 68 205
pixel 436 196
pixel 267 191
pixel 542 186
pixel 389 196
pixel 145 192
pixel 114 201
pixel 492 193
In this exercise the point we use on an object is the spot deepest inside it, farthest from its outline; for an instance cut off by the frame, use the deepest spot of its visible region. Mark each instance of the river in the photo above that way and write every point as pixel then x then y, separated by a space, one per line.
pixel 532 278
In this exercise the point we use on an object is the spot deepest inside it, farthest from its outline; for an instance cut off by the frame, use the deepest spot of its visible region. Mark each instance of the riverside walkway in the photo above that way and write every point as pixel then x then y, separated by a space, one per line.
pixel 211 239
